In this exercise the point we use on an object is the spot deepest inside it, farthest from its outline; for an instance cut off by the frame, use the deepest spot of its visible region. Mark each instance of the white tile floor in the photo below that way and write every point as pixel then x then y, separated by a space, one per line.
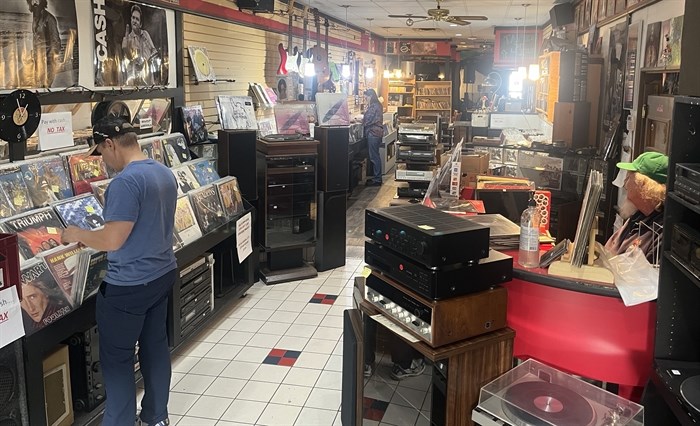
pixel 223 377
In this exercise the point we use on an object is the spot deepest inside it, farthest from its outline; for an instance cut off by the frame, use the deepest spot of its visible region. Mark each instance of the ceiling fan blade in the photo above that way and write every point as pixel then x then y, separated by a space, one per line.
pixel 407 16
pixel 455 20
pixel 470 17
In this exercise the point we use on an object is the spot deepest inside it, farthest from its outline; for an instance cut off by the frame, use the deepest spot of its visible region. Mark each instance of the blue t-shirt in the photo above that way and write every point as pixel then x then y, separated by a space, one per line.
pixel 145 193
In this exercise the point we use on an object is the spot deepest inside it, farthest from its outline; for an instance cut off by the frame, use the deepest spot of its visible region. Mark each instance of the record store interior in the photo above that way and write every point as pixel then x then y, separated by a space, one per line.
pixel 396 212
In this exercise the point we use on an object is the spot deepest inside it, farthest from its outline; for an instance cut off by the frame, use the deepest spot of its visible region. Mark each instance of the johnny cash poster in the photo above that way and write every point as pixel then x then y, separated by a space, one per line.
pixel 38 44
pixel 131 44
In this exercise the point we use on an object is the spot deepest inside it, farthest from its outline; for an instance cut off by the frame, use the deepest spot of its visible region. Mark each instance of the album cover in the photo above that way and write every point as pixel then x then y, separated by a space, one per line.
pixel 664 38
pixel 186 228
pixel 83 211
pixel 199 58
pixel 47 180
pixel 230 196
pixel 26 24
pixel 43 301
pixel 651 50
pixel 6 209
pixel 185 179
pixel 204 170
pixel 236 112
pixel 332 109
pixel 15 189
pixel 153 149
pixel 37 230
pixel 92 269
pixel 63 262
pixel 99 188
pixel 194 125
pixel 207 208
pixel 85 169
pixel 131 45
pixel 293 118
pixel 175 151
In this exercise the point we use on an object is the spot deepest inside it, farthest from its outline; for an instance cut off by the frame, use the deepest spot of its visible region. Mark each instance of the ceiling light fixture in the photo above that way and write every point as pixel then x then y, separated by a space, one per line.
pixel 458 35
pixel 534 71
pixel 522 69
pixel 409 22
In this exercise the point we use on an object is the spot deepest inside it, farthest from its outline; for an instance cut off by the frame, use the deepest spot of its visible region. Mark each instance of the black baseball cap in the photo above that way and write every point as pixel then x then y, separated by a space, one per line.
pixel 106 128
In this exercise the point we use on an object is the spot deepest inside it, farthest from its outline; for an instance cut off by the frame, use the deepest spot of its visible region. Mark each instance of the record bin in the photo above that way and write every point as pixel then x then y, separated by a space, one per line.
pixel 534 393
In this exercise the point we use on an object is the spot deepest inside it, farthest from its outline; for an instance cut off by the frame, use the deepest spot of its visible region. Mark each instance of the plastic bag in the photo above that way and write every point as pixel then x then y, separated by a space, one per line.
pixel 635 278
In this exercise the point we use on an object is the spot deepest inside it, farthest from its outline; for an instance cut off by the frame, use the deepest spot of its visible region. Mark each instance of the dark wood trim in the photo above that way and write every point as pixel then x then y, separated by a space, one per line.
pixel 630 10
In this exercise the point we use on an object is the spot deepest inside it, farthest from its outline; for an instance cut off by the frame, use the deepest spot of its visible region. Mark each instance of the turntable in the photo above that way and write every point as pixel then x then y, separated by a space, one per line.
pixel 276 137
pixel 534 394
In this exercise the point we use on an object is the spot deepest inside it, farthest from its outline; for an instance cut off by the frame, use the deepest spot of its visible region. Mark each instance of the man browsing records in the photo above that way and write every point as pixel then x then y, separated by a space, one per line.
pixel 139 216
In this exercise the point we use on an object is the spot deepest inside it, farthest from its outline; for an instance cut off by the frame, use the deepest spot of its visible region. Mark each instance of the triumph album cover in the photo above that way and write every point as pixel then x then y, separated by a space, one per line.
pixel 37 231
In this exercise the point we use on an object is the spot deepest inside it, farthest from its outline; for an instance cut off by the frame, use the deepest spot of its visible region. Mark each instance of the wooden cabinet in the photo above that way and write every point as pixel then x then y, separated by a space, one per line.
pixel 563 78
pixel 434 98
pixel 399 96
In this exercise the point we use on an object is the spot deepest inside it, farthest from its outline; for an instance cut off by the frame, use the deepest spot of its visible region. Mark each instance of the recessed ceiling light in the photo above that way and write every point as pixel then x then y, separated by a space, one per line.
pixel 453 25
pixel 458 35
pixel 471 38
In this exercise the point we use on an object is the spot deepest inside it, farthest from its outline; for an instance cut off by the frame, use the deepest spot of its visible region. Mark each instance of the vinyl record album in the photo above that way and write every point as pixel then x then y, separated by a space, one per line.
pixel 690 391
pixel 539 403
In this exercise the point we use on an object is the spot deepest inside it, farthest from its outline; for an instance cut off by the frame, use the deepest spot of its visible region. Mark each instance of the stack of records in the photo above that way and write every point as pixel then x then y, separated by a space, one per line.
pixel 503 233
pixel 203 170
pixel 207 208
pixel 90 271
pixel 62 262
pixel 83 211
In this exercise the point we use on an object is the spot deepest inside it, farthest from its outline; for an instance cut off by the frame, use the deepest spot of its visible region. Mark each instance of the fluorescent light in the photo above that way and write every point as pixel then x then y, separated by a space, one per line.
pixel 453 25
pixel 458 35
pixel 345 71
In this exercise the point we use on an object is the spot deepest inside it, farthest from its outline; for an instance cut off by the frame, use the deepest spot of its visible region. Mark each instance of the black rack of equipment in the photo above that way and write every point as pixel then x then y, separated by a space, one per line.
pixel 417 158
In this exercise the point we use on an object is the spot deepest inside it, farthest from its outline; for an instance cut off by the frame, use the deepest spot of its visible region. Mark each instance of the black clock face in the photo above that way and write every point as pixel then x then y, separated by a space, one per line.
pixel 20 113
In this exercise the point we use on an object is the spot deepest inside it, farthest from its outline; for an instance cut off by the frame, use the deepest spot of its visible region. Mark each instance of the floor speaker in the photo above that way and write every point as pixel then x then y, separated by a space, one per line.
pixel 333 162
pixel 237 158
pixel 561 14
pixel 330 242
pixel 13 403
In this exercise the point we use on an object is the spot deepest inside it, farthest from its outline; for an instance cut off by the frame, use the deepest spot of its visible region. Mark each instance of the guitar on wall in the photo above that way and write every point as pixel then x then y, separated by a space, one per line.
pixel 320 55
pixel 288 57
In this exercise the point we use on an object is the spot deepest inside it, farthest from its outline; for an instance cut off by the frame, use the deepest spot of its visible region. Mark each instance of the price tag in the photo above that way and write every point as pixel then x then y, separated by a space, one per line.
pixel 366 272
pixel 90 209
pixel 51 230
pixel 55 188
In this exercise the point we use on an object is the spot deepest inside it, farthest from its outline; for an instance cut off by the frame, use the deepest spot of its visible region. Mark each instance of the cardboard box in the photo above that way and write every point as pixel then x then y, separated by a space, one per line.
pixel 472 166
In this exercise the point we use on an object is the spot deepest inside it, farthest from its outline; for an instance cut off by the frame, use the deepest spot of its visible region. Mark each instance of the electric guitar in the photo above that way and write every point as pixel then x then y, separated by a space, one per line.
pixel 287 56
pixel 304 57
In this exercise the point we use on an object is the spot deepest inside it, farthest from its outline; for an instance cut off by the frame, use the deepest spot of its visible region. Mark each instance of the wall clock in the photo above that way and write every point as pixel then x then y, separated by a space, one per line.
pixel 20 113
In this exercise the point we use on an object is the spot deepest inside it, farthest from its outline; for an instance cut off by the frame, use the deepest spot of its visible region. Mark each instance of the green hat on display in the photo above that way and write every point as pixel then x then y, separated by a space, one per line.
pixel 651 164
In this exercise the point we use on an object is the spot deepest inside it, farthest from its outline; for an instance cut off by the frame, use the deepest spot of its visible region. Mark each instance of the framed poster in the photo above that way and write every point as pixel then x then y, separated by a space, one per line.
pixel 38 45
pixel 634 34
pixel 512 46
pixel 132 45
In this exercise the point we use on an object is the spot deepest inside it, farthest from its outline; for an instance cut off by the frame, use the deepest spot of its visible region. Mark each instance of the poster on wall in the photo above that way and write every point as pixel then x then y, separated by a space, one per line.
pixel 614 78
pixel 651 50
pixel 38 44
pixel 131 45
pixel 634 33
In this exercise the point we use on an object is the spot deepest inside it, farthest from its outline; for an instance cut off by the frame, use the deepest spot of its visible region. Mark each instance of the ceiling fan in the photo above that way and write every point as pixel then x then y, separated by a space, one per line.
pixel 439 14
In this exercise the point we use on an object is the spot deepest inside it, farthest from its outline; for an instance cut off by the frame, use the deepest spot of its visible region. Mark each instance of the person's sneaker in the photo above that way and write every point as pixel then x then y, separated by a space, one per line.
pixel 416 369
pixel 368 370
pixel 372 183
pixel 164 422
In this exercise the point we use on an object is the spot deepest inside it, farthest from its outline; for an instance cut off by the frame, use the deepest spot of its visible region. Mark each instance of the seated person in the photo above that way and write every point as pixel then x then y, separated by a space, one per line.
pixel 646 190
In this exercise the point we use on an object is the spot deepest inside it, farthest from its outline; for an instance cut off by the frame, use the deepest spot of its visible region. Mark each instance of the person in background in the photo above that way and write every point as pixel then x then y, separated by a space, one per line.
pixel 132 302
pixel 47 43
pixel 138 48
pixel 372 123
pixel 646 189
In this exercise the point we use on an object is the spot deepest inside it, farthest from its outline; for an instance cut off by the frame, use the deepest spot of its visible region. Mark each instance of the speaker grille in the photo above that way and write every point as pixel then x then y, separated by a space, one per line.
pixel 8 383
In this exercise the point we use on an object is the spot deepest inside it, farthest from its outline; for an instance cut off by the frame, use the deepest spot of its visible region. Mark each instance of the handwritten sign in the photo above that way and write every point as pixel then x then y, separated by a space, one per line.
pixel 11 326
pixel 244 244
pixel 55 130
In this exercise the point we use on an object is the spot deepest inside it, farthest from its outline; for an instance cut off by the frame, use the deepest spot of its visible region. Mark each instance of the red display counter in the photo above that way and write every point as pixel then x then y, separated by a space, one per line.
pixel 582 328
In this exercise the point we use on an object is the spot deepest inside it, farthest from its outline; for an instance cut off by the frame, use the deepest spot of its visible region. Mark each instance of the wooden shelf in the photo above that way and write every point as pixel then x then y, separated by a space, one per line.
pixel 660 70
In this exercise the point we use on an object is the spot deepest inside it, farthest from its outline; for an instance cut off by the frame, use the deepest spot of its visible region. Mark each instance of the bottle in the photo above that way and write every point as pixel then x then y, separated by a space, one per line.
pixel 529 253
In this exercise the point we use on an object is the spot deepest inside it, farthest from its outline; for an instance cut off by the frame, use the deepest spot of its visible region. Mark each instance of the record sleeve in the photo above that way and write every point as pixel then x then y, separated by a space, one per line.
pixel 175 151
pixel 85 169
pixel 153 149
pixel 43 301
pixel 15 189
pixel 204 170
pixel 293 117
pixel 186 227
pixel 332 109
pixel 185 179
pixel 47 180
pixel 207 208
pixel 6 209
pixel 236 112
pixel 93 271
pixel 199 58
pixel 195 128
pixel 83 211
pixel 37 230
pixel 230 196
pixel 99 188
pixel 63 263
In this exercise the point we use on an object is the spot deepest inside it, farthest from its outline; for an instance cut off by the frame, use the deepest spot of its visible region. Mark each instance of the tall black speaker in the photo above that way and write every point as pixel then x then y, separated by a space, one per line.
pixel 561 14
pixel 330 241
pixel 13 402
pixel 333 163
pixel 237 158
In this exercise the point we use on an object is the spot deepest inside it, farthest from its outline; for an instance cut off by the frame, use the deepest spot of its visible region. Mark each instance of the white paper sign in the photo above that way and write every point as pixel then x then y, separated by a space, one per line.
pixel 11 326
pixel 244 244
pixel 55 130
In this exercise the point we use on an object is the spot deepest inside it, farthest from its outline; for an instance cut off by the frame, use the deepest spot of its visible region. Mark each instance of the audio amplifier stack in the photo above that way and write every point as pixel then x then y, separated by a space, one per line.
pixel 433 273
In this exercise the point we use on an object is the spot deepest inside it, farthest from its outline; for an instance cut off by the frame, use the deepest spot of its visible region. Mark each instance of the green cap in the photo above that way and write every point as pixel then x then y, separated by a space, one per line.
pixel 651 164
